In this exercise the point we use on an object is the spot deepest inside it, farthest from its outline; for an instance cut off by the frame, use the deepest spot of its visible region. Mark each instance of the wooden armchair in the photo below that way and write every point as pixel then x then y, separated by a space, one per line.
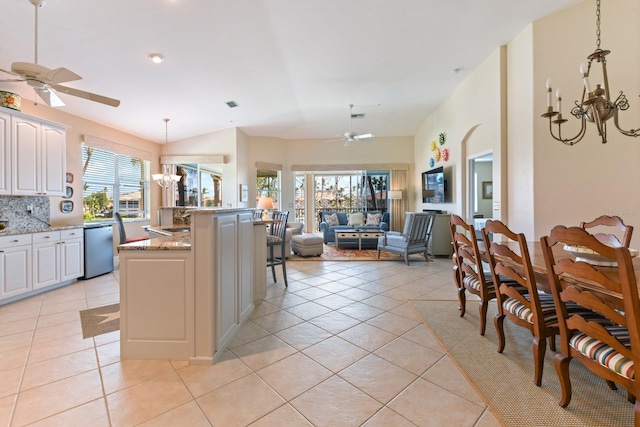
pixel 414 238
pixel 610 239
pixel 470 272
pixel 609 349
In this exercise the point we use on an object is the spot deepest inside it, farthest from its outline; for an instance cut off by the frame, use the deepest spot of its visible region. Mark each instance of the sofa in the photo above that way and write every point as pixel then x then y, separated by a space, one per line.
pixel 350 220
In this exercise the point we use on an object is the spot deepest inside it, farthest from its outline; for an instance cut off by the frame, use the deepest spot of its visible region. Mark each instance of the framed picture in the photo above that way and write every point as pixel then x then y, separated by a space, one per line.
pixel 68 193
pixel 66 206
pixel 487 189
pixel 69 178
pixel 244 193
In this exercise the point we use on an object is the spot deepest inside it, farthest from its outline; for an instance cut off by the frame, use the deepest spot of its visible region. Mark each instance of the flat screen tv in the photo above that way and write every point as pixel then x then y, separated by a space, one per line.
pixel 434 186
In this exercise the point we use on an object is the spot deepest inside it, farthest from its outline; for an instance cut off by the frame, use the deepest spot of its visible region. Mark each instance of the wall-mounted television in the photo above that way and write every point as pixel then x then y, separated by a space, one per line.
pixel 434 186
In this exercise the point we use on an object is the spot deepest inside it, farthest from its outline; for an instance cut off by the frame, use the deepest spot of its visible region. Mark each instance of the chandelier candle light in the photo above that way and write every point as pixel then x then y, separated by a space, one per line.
pixel 165 179
pixel 596 105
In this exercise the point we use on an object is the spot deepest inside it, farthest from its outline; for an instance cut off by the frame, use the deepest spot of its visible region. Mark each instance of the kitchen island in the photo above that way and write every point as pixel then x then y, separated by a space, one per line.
pixel 184 296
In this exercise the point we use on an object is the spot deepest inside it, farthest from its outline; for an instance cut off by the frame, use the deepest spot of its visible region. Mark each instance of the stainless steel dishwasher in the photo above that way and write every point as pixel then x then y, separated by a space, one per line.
pixel 98 250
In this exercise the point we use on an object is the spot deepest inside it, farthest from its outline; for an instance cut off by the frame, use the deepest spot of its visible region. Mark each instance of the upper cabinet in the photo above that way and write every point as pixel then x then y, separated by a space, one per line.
pixel 5 153
pixel 33 154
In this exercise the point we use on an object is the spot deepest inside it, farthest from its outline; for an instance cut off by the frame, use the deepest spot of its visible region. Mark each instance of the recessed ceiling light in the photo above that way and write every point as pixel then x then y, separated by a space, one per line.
pixel 156 58
pixel 231 104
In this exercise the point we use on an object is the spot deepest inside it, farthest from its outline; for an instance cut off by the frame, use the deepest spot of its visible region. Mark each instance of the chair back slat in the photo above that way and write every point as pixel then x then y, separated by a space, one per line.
pixel 419 226
pixel 610 221
pixel 278 227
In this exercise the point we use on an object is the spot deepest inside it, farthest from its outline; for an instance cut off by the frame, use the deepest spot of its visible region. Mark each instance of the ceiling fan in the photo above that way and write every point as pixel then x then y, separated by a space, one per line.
pixel 351 136
pixel 45 82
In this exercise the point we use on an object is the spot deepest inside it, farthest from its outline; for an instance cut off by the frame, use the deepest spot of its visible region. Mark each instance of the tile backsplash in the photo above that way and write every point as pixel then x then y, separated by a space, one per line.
pixel 14 210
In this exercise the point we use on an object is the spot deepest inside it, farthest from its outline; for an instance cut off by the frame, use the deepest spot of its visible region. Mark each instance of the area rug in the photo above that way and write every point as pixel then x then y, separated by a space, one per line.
pixel 100 320
pixel 505 380
pixel 331 253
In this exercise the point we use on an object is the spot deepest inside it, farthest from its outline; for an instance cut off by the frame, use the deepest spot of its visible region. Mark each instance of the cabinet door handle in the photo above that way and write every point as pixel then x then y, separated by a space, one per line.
pixel 15 241
pixel 47 237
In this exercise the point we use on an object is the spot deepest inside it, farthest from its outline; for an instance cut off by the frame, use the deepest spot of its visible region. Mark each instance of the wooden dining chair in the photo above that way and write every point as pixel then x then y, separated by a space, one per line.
pixel 454 259
pixel 611 348
pixel 471 275
pixel 610 239
pixel 527 308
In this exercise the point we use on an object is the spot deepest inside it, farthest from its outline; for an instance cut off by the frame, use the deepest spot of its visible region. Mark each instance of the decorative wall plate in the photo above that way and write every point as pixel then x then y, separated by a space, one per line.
pixel 66 206
pixel 69 178
pixel 68 193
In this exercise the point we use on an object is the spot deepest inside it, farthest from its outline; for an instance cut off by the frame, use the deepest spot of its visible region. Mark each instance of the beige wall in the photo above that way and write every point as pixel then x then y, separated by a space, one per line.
pixel 521 118
pixel 472 120
pixel 579 183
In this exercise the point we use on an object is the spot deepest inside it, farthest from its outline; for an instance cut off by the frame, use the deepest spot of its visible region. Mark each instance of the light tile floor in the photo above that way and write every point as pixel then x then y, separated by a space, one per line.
pixel 339 347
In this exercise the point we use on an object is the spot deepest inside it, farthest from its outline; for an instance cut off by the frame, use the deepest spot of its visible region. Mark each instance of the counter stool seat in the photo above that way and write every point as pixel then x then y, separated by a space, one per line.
pixel 307 245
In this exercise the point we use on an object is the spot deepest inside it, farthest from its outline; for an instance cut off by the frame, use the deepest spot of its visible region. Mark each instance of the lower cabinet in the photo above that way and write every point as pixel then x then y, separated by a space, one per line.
pixel 29 262
pixel 15 266
pixel 46 259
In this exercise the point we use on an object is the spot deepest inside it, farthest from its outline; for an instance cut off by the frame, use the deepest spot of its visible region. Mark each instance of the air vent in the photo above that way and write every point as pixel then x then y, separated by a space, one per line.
pixel 231 104
pixel 357 115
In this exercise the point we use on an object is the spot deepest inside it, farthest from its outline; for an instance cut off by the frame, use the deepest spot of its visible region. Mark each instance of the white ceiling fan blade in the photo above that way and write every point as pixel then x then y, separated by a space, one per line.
pixel 348 142
pixel 11 80
pixel 363 136
pixel 49 97
pixel 87 95
pixel 60 75
pixel 13 74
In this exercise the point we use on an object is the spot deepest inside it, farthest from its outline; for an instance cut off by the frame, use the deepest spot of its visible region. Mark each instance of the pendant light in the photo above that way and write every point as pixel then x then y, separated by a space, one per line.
pixel 165 179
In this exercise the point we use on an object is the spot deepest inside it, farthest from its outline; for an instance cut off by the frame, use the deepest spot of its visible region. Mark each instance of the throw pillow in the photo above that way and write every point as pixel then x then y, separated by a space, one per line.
pixel 356 219
pixel 331 220
pixel 373 218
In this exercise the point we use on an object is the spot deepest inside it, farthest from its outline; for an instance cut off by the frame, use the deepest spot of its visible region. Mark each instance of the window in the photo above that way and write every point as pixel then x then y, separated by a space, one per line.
pixel 268 184
pixel 114 181
pixel 199 186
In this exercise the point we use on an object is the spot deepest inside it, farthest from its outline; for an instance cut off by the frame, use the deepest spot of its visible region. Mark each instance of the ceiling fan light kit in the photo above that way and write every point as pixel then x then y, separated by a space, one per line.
pixel 46 82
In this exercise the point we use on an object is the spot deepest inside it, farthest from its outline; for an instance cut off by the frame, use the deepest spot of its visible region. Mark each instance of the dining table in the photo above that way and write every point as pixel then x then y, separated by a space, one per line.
pixel 542 279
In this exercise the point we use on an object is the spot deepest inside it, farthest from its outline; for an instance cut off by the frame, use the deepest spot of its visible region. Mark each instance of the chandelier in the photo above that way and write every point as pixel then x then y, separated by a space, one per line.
pixel 596 105
pixel 165 179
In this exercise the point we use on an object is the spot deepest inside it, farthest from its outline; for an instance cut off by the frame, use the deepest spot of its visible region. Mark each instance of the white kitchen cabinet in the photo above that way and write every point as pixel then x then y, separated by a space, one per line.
pixel 46 259
pixel 5 153
pixel 38 157
pixel 15 265
pixel 71 254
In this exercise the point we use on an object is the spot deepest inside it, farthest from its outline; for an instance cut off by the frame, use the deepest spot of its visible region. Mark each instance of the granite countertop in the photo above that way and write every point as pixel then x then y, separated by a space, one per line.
pixel 14 231
pixel 172 241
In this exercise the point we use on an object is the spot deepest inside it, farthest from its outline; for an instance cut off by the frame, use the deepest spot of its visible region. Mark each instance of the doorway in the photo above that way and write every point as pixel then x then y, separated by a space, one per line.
pixel 481 186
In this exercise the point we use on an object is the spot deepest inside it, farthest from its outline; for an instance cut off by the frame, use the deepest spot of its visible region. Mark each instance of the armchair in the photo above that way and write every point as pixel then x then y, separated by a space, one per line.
pixel 414 238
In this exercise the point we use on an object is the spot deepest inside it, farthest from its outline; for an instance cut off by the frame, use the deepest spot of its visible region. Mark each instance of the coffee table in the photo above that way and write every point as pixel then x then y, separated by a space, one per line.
pixel 357 235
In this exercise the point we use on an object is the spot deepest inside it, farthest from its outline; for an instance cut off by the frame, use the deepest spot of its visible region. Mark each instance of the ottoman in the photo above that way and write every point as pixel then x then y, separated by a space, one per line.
pixel 307 244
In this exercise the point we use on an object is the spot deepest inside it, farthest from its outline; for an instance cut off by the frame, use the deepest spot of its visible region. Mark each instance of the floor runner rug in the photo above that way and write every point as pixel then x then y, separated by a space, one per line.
pixel 100 320
pixel 506 380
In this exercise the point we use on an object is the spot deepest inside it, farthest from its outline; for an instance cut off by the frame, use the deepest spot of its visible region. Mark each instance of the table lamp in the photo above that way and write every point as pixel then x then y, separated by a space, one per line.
pixel 266 203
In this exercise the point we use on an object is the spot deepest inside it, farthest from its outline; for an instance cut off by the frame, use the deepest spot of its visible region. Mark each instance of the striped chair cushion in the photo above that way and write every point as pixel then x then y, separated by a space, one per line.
pixel 605 354
pixel 548 310
pixel 471 282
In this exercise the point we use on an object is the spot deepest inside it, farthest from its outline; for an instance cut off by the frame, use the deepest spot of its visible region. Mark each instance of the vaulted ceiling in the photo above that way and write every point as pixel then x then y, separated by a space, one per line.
pixel 292 66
